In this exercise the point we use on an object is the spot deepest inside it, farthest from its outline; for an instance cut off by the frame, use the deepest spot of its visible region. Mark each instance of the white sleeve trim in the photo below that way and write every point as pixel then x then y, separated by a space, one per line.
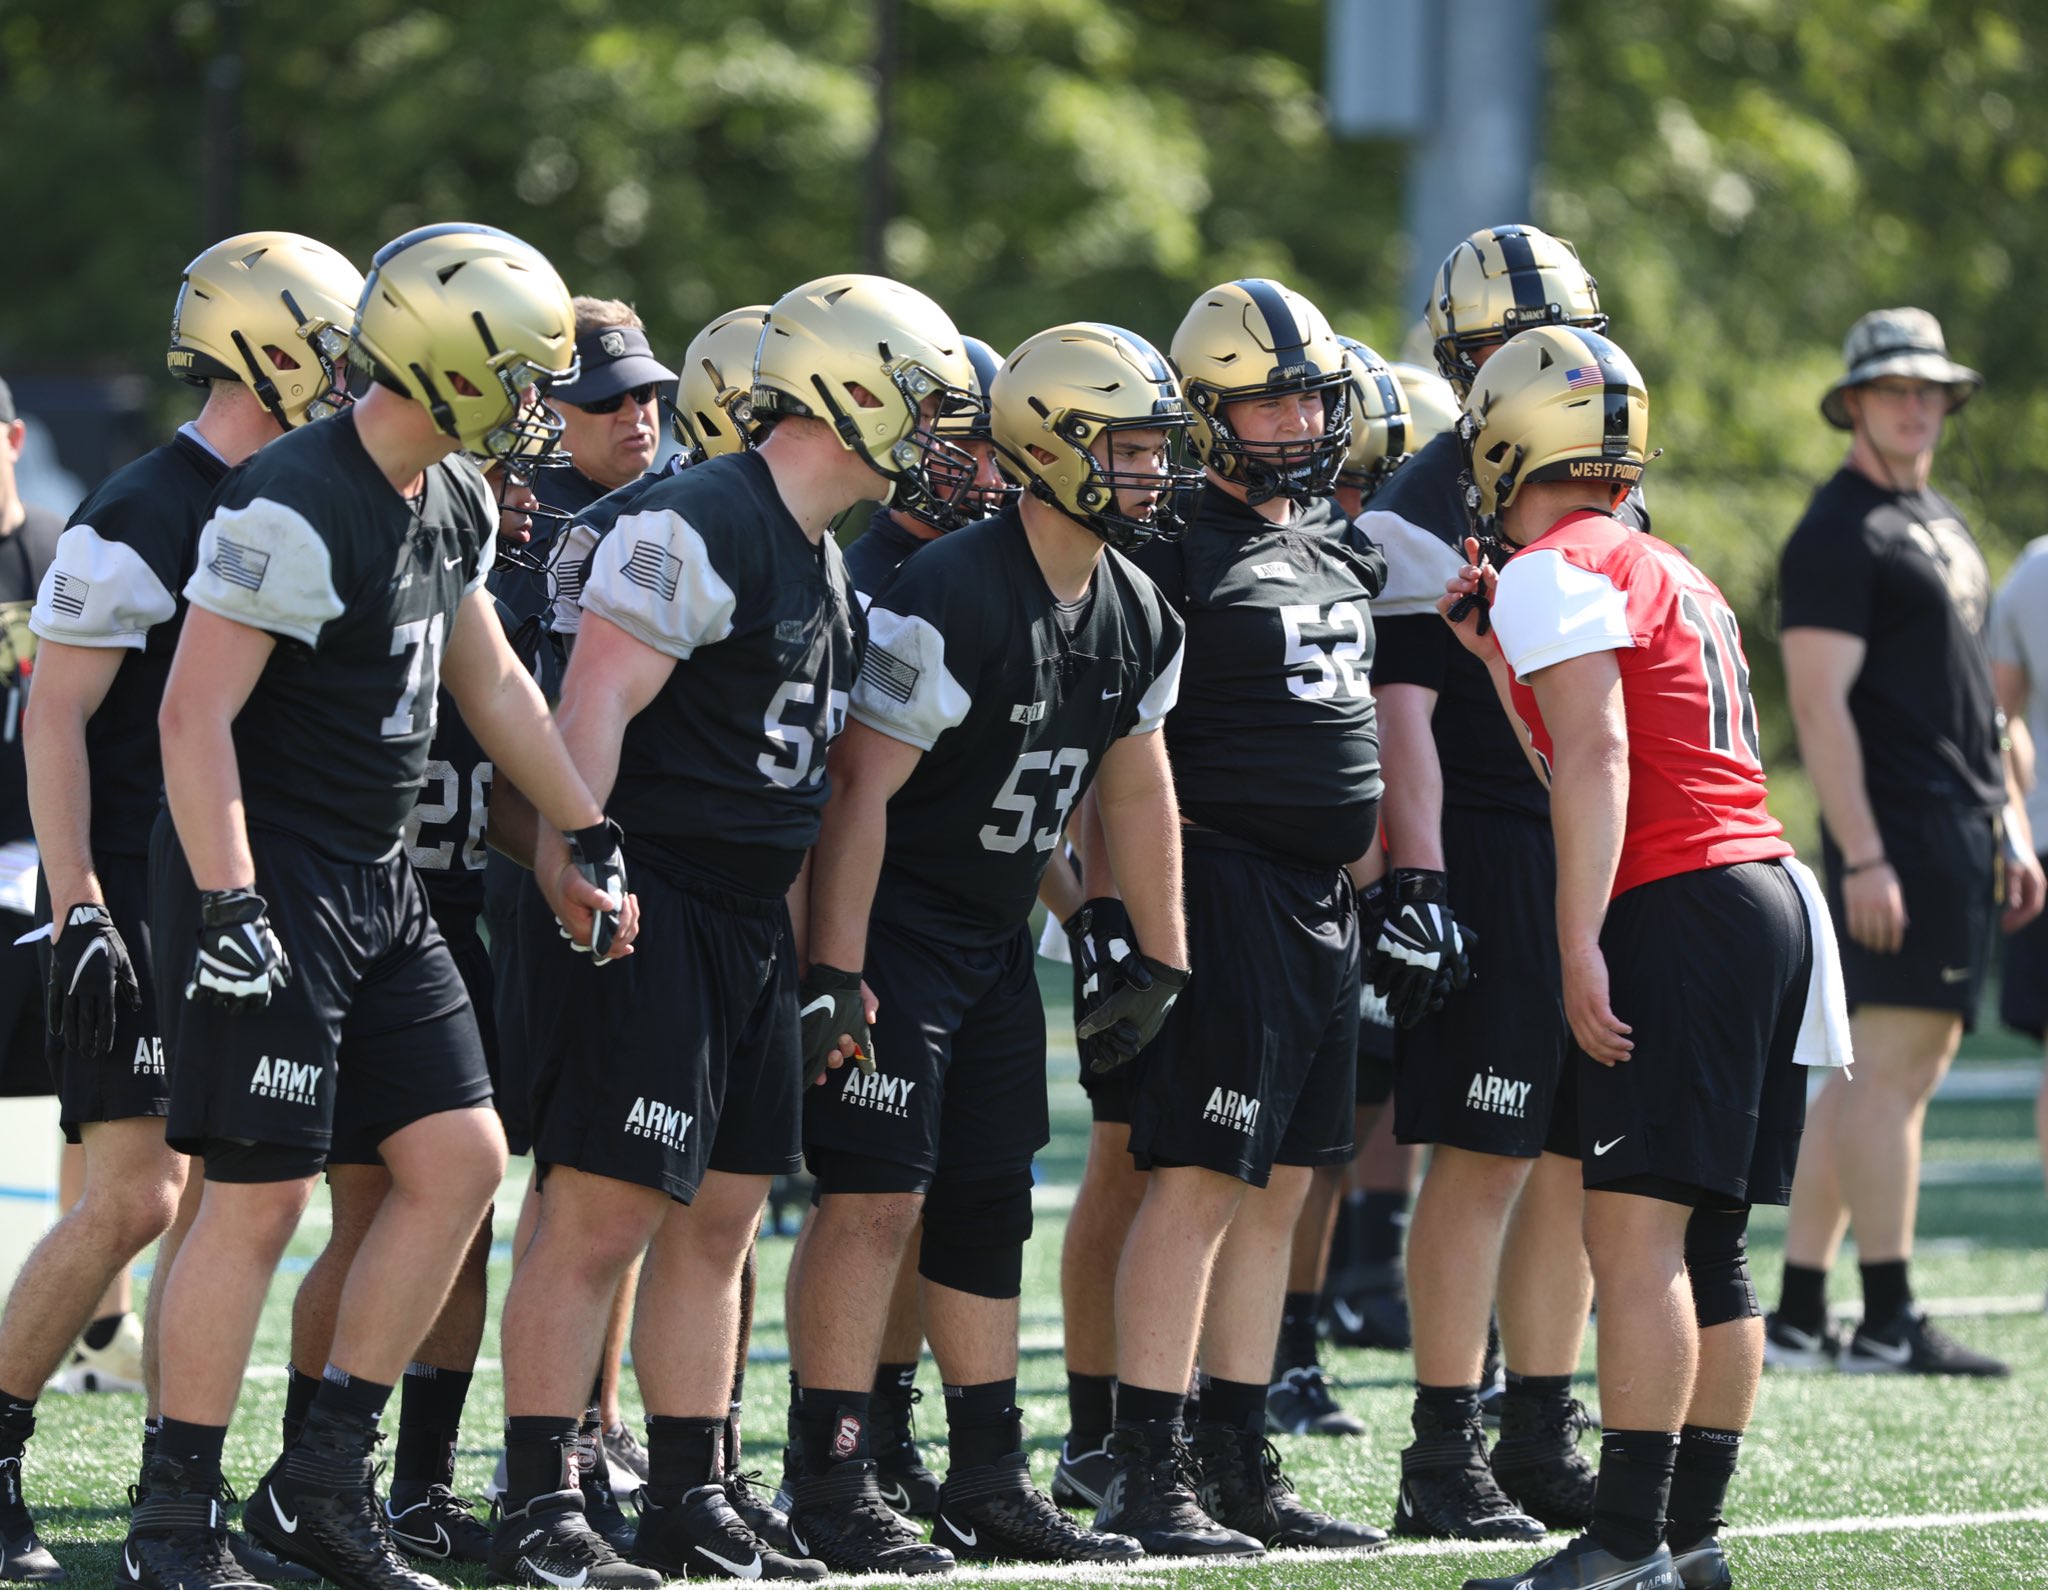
pixel 1158 701
pixel 265 565
pixel 904 689
pixel 653 577
pixel 1548 610
pixel 569 563
pixel 98 592
pixel 1419 564
pixel 486 560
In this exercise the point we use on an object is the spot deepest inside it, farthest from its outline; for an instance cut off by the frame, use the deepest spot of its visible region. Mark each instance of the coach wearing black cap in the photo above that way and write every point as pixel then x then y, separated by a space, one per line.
pixel 610 412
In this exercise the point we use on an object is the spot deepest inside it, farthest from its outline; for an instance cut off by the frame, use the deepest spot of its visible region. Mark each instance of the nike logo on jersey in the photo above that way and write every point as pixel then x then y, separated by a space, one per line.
pixel 449 563
pixel 1601 1148
pixel 1111 695
pixel 568 1581
pixel 749 1570
pixel 285 1522
pixel 967 1536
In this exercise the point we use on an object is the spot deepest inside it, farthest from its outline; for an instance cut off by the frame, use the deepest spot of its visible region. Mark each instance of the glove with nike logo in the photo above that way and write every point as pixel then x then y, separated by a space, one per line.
pixel 594 852
pixel 90 978
pixel 1130 1015
pixel 1420 955
pixel 1100 938
pixel 240 961
pixel 829 1006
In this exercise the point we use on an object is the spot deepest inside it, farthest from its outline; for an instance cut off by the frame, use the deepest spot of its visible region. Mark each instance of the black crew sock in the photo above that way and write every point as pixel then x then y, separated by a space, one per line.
pixel 1534 1403
pixel 101 1331
pixel 889 1401
pixel 1383 1225
pixel 682 1454
pixel 17 1423
pixel 1699 1484
pixel 1296 1348
pixel 196 1446
pixel 832 1427
pixel 299 1391
pixel 430 1402
pixel 1240 1404
pixel 1633 1492
pixel 1091 1410
pixel 150 1429
pixel 355 1403
pixel 983 1423
pixel 1137 1405
pixel 1803 1298
pixel 540 1457
pixel 1442 1410
pixel 1886 1292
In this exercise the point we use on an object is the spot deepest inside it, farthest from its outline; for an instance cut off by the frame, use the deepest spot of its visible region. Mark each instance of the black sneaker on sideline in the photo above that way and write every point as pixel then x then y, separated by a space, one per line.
pixel 1703 1567
pixel 1150 1496
pixel 1540 1467
pixel 432 1524
pixel 757 1512
pixel 906 1484
pixel 701 1537
pixel 1909 1343
pixel 993 1513
pixel 178 1535
pixel 1243 1488
pixel 1079 1477
pixel 1587 1565
pixel 316 1508
pixel 1786 1346
pixel 840 1519
pixel 24 1559
pixel 1448 1492
pixel 549 1543
pixel 1371 1310
pixel 1300 1403
pixel 603 1512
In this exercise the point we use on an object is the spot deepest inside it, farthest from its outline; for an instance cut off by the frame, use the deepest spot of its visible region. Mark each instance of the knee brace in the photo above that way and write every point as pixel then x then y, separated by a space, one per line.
pixel 974 1234
pixel 1717 1264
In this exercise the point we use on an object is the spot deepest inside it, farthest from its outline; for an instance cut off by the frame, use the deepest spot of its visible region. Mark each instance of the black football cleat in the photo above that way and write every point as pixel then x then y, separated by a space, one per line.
pixel 701 1537
pixel 432 1524
pixel 178 1535
pixel 1448 1492
pixel 839 1518
pixel 1372 1310
pixel 1587 1565
pixel 1786 1346
pixel 758 1513
pixel 900 1472
pixel 316 1508
pixel 549 1545
pixel 1540 1467
pixel 1078 1478
pixel 1703 1566
pixel 24 1559
pixel 993 1513
pixel 1150 1496
pixel 1243 1488
pixel 1909 1344
pixel 1299 1402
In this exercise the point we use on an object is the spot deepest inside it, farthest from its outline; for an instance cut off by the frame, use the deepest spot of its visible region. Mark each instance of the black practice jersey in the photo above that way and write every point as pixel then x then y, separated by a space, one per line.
pixel 444 834
pixel 722 775
pixel 128 548
pixel 309 542
pixel 877 553
pixel 1900 570
pixel 1274 740
pixel 1013 698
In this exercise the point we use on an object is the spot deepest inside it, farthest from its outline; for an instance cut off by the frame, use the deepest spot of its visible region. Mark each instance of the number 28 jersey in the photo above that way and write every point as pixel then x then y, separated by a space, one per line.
pixel 1696 778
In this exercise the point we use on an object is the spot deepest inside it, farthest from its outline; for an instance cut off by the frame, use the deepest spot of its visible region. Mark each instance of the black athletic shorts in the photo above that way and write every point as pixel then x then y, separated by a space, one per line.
pixel 1256 1065
pixel 2023 990
pixel 509 895
pixel 679 1059
pixel 372 1033
pixel 1710 970
pixel 130 1081
pixel 24 1058
pixel 1947 862
pixel 1485 1073
pixel 473 966
pixel 959 1079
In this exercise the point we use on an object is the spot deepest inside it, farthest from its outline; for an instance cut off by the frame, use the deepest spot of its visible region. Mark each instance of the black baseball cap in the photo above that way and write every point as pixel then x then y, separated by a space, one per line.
pixel 614 359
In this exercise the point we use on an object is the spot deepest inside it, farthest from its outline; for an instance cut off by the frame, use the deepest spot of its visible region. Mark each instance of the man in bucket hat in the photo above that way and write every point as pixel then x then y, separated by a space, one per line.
pixel 1884 598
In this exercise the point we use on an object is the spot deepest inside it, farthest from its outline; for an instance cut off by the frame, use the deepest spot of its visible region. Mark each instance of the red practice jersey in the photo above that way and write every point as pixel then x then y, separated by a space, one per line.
pixel 1696 778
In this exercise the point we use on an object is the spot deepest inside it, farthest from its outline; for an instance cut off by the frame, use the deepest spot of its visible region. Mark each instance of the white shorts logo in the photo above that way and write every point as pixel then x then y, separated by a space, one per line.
pixel 149 1057
pixel 1228 1107
pixel 1492 1095
pixel 287 1080
pixel 890 1095
pixel 651 1118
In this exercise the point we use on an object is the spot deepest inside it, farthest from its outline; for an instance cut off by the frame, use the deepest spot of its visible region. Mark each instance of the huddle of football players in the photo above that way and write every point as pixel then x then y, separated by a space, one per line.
pixel 1328 732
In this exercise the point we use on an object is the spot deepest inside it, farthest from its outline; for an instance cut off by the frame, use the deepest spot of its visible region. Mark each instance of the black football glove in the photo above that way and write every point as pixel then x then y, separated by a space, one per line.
pixel 1420 955
pixel 240 961
pixel 594 852
pixel 1099 938
pixel 829 1004
pixel 90 977
pixel 1129 1016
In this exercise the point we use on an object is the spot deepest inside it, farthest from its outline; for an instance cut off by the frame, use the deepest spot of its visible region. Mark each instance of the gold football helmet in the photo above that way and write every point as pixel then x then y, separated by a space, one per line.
pixel 473 325
pixel 829 336
pixel 1555 403
pixel 1432 405
pixel 959 499
pixel 1060 391
pixel 1501 280
pixel 713 413
pixel 1381 429
pixel 272 311
pixel 1248 339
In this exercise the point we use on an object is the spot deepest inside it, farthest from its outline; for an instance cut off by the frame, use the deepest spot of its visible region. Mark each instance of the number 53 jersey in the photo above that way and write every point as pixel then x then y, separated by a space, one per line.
pixel 1695 773
pixel 1013 697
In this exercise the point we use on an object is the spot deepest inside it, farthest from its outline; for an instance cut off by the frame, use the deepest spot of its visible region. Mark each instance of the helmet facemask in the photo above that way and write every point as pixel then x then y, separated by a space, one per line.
pixel 1085 489
pixel 1297 470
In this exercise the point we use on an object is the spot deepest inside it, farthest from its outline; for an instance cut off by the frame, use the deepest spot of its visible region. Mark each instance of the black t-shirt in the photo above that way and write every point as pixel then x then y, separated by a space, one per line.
pixel 878 552
pixel 722 775
pixel 1013 698
pixel 1899 570
pixel 24 558
pixel 126 552
pixel 309 542
pixel 1274 739
pixel 444 833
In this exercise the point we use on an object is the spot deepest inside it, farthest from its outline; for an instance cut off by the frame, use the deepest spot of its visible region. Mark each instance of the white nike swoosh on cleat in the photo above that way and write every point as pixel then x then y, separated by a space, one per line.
pixel 438 1545
pixel 967 1536
pixel 289 1525
pixel 567 1581
pixel 897 1496
pixel 1897 1357
pixel 1347 1316
pixel 751 1570
pixel 798 1541
pixel 128 1562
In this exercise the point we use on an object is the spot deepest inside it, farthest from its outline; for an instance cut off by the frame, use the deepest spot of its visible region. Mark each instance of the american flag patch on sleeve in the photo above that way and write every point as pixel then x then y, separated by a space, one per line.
pixel 652 567
pixel 68 593
pixel 1582 375
pixel 889 673
pixel 238 564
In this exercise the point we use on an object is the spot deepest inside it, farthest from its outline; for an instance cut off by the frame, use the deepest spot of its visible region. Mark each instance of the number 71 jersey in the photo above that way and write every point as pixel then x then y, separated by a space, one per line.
pixel 1696 778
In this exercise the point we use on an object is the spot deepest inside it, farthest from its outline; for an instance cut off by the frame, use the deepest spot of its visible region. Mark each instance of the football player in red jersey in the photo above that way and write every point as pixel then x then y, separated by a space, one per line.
pixel 1689 938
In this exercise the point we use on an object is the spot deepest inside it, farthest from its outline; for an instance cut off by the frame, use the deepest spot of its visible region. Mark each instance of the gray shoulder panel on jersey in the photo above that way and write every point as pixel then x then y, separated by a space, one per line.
pixel 1156 702
pixel 653 577
pixel 905 689
pixel 569 563
pixel 1419 562
pixel 486 560
pixel 99 593
pixel 265 565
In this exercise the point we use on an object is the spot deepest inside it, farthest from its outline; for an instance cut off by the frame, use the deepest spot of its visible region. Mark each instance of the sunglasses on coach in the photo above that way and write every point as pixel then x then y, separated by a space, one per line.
pixel 642 395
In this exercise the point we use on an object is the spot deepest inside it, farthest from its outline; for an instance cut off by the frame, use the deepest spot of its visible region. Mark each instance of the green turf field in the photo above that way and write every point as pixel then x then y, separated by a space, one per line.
pixel 1846 1481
